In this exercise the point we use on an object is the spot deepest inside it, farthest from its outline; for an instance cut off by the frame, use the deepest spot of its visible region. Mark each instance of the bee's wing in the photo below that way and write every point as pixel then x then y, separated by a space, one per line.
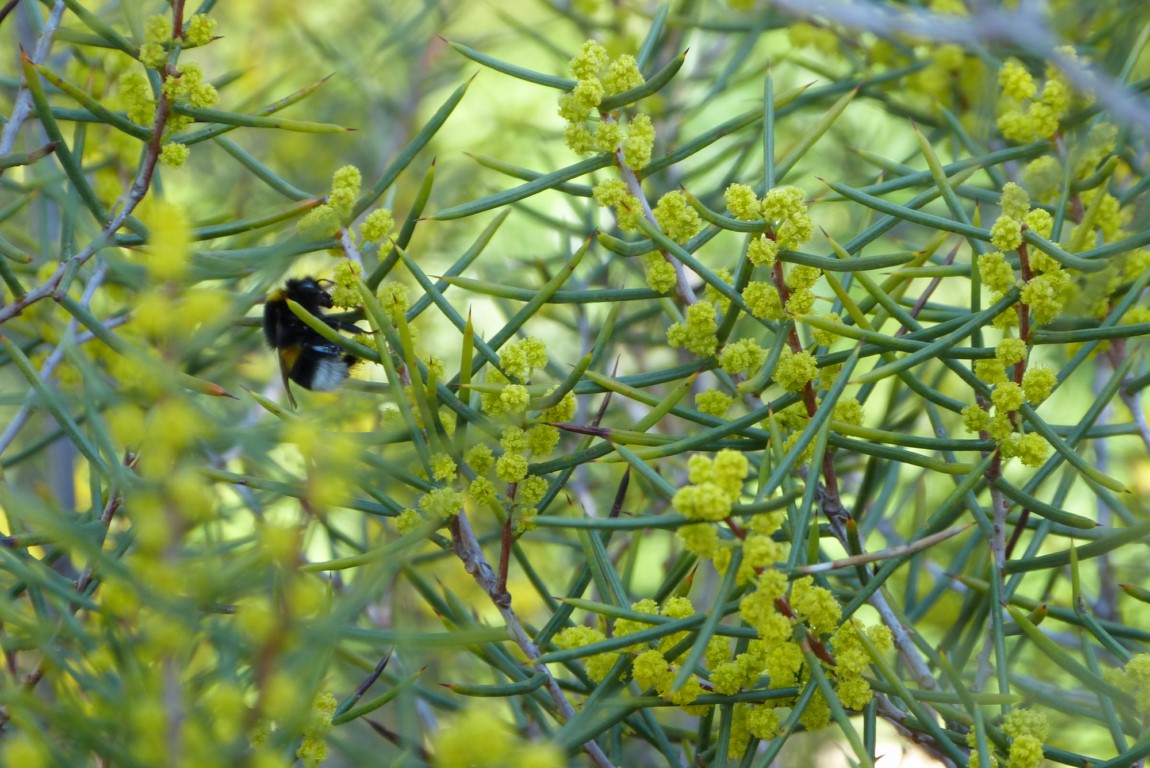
pixel 342 325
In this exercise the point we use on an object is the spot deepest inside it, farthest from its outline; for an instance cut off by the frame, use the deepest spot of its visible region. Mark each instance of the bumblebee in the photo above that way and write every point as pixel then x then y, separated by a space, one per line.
pixel 305 357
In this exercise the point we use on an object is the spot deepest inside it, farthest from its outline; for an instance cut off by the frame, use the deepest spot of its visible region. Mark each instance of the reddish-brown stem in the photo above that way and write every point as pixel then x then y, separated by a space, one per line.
pixel 1019 370
pixel 397 740
pixel 7 9
pixel 832 505
pixel 998 520
pixel 177 19
pixel 926 294
pixel 1016 534
pixel 1023 310
pixel 506 541
pixel 1024 260
pixel 736 529
pixel 793 341
pixel 994 470
pixel 831 502
pixel 785 296
pixel 784 607
pixel 620 494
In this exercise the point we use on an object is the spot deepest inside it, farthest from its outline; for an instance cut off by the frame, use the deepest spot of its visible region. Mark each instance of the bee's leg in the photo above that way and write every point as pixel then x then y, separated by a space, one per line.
pixel 345 326
pixel 284 373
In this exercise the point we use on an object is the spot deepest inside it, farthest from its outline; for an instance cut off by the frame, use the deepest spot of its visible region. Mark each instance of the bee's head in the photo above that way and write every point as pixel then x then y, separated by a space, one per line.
pixel 308 292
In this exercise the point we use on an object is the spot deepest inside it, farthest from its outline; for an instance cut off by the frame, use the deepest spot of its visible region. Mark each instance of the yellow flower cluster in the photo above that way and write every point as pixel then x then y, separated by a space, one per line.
pixel 407 521
pixel 482 491
pixel 713 402
pixel 511 467
pixel 1109 219
pixel 1043 178
pixel 157 36
pixel 852 661
pixel 325 220
pixel 778 655
pixel 1028 729
pixel 174 154
pixel 761 553
pixel 786 208
pixel 815 604
pixel 715 486
pixel 519 358
pixel 742 356
pixel 763 300
pixel 639 142
pixel 564 410
pixel 849 411
pixel 783 208
pixel 393 297
pixel 697 331
pixel 995 272
pixel 762 251
pixel 795 370
pixel 1134 679
pixel 743 202
pixel 542 440
pixel 1044 293
pixel 479 738
pixel 771 606
pixel 496 403
pixel 313 747
pixel 377 225
pixel 821 39
pixel 441 503
pixel 1006 234
pixel 599 664
pixel 480 458
pixel 676 217
pixel 1008 396
pixel 137 96
pixel 1024 114
pixel 345 186
pixel 576 107
pixel 443 467
pixel 650 667
pixel 660 273
pixel 189 87
pixel 613 193
pixel 346 279
pixel 199 30
pixel 975 760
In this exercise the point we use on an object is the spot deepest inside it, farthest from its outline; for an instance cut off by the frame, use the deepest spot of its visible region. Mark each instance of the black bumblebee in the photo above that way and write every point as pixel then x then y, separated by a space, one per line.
pixel 305 357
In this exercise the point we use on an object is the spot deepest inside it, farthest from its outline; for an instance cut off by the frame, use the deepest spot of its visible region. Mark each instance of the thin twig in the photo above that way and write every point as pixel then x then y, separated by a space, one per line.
pixel 23 106
pixel 682 284
pixel 475 563
pixel 53 360
pixel 886 554
pixel 136 193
